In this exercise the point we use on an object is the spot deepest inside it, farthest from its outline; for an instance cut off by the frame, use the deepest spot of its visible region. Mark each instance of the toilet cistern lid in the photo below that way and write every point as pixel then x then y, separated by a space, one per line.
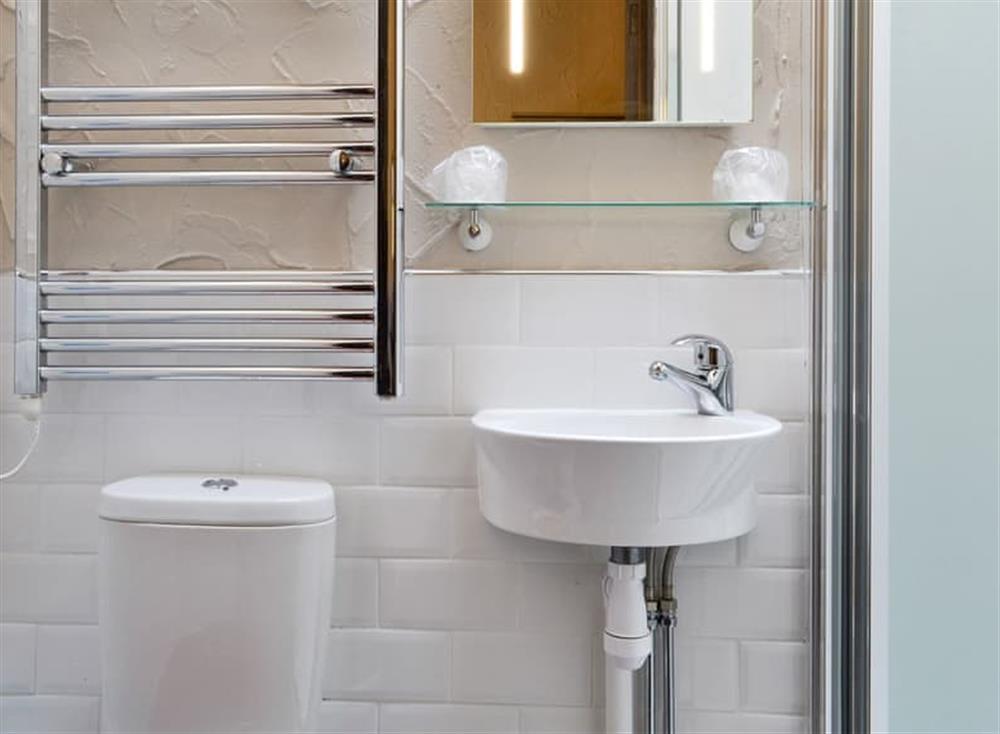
pixel 218 499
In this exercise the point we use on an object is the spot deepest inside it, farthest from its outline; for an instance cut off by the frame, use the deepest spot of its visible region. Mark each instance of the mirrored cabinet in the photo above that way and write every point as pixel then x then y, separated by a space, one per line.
pixel 613 62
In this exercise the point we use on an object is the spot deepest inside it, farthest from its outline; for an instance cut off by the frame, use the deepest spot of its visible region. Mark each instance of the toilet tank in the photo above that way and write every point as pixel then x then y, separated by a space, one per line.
pixel 214 603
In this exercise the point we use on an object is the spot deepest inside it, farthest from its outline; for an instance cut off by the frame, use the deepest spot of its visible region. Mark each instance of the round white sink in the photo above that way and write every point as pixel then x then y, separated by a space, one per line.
pixel 619 477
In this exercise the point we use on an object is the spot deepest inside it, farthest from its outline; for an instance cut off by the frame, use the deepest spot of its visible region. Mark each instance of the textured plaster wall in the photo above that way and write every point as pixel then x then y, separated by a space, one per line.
pixel 273 41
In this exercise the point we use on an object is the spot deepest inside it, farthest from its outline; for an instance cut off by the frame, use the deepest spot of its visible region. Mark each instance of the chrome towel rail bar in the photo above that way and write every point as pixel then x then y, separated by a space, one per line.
pixel 204 93
pixel 206 276
pixel 203 344
pixel 204 178
pixel 70 287
pixel 234 121
pixel 203 150
pixel 206 373
pixel 58 299
pixel 203 315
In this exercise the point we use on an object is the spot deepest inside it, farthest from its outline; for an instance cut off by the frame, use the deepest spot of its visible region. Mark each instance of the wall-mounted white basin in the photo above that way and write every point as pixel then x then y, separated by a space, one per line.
pixel 619 477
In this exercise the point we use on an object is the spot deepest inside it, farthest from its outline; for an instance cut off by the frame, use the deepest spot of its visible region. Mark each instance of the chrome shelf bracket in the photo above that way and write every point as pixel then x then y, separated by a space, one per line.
pixel 746 234
pixel 474 232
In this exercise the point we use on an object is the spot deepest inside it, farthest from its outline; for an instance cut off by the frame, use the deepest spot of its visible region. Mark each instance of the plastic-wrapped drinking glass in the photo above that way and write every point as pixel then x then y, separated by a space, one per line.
pixel 751 174
pixel 475 174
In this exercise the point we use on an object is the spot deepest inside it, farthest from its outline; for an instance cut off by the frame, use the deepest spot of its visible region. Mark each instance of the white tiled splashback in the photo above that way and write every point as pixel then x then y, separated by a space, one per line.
pixel 440 622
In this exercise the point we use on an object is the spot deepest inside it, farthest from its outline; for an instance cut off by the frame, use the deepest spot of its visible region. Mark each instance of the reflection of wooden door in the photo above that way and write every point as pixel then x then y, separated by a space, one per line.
pixel 579 58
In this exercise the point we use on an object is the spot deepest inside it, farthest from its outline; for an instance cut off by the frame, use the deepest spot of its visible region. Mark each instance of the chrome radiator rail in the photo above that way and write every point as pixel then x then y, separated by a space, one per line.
pixel 204 178
pixel 73 151
pixel 207 373
pixel 205 93
pixel 321 290
pixel 61 300
pixel 203 344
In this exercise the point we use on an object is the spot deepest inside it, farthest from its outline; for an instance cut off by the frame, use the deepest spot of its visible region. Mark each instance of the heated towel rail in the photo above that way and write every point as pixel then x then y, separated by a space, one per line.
pixel 51 305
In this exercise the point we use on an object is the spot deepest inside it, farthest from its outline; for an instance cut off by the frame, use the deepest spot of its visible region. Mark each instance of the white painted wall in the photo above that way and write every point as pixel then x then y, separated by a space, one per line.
pixel 442 623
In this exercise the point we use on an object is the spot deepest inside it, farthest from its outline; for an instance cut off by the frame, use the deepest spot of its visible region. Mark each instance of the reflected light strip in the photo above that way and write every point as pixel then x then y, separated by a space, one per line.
pixel 707 36
pixel 516 26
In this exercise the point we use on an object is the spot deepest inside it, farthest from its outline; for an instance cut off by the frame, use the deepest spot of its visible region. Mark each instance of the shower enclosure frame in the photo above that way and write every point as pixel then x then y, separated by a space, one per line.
pixel 842 406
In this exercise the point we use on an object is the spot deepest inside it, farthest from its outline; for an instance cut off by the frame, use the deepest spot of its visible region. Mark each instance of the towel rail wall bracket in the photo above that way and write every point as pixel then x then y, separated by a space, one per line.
pixel 48 303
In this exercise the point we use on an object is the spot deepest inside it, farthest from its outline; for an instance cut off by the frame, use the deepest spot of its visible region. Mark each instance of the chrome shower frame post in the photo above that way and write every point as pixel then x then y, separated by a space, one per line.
pixel 842 406
pixel 819 574
pixel 30 197
pixel 389 194
pixel 852 322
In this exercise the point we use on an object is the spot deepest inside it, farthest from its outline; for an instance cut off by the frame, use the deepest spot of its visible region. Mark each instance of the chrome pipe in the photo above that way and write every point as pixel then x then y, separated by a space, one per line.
pixel 206 373
pixel 656 708
pixel 850 369
pixel 647 679
pixel 129 276
pixel 29 198
pixel 389 198
pixel 667 710
pixel 668 656
pixel 204 178
pixel 202 316
pixel 655 705
pixel 200 287
pixel 73 151
pixel 667 571
pixel 233 121
pixel 203 93
pixel 652 678
pixel 186 344
pixel 819 576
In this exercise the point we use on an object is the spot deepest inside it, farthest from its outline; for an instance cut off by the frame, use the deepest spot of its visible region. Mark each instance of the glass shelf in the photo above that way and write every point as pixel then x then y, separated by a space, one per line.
pixel 746 233
pixel 621 204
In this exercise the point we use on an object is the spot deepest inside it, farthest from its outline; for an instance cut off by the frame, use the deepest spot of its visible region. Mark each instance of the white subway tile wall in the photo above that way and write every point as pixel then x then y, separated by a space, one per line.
pixel 49 714
pixel 708 673
pixel 355 593
pixel 447 719
pixel 589 311
pixel 19 507
pixel 562 719
pixel 348 717
pixel 440 622
pixel 68 659
pixel 521 667
pixel 17 658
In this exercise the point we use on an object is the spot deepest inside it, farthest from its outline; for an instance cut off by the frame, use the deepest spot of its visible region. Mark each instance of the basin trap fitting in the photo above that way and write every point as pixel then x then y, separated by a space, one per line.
pixel 627 639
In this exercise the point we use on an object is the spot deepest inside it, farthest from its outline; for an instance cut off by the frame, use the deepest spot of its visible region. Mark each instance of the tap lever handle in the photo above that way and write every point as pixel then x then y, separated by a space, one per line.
pixel 709 353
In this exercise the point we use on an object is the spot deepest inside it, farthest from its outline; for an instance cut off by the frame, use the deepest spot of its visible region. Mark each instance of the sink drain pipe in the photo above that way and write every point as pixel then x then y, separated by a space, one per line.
pixel 655 696
pixel 627 637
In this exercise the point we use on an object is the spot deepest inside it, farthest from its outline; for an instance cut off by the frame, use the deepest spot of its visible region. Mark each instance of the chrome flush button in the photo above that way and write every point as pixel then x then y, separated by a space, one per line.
pixel 222 483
